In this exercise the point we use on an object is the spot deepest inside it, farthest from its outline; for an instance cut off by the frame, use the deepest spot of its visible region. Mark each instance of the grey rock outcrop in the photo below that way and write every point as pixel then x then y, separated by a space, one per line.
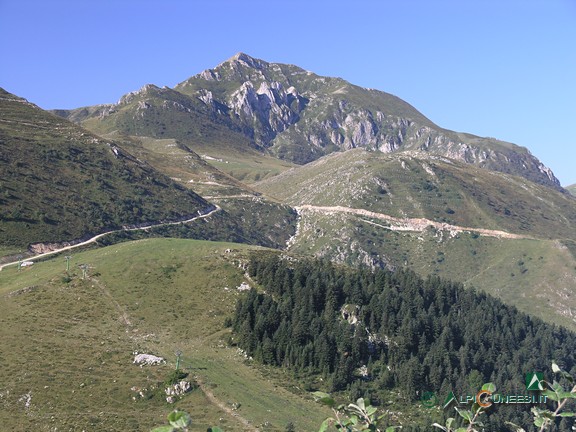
pixel 271 109
pixel 177 390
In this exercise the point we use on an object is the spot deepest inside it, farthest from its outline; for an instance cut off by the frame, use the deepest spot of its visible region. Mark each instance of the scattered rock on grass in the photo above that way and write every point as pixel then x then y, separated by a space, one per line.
pixel 174 391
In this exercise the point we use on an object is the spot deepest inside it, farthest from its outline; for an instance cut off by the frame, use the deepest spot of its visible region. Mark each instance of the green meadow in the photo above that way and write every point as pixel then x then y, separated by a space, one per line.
pixel 68 343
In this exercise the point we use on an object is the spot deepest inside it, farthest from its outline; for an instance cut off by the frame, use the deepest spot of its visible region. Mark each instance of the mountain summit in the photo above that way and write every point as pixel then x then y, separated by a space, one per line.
pixel 298 116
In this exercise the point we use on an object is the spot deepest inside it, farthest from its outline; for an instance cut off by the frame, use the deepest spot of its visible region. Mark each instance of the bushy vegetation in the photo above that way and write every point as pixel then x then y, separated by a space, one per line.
pixel 61 182
pixel 175 377
pixel 410 334
pixel 247 221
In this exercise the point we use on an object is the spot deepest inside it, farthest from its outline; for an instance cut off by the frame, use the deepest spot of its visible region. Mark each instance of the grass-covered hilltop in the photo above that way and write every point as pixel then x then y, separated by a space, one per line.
pixel 259 237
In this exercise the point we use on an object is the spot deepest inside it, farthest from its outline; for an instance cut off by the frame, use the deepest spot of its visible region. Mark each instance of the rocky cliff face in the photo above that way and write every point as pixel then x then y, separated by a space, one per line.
pixel 270 109
pixel 300 116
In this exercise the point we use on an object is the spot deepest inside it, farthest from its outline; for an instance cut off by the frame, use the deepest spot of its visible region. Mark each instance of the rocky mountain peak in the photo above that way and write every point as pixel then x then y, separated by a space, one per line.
pixel 300 116
pixel 240 67
pixel 248 61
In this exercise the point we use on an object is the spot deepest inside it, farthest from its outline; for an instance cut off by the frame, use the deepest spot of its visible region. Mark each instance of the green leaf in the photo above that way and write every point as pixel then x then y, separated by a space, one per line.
pixel 465 414
pixel 355 409
pixel 551 395
pixel 567 414
pixel 476 408
pixel 461 430
pixel 371 410
pixel 346 422
pixel 214 429
pixel 438 426
pixel 391 428
pixel 557 387
pixel 539 421
pixel 360 403
pixel 164 429
pixel 542 413
pixel 565 374
pixel 320 395
pixel 515 426
pixel 566 395
pixel 568 377
pixel 491 387
pixel 179 419
pixel 556 369
pixel 325 424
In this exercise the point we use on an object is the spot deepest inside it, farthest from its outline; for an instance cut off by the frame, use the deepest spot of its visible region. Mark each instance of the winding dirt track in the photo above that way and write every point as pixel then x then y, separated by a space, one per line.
pixel 410 224
pixel 99 236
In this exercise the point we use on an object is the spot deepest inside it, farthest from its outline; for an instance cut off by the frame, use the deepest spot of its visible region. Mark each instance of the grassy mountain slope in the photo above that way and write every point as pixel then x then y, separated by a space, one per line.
pixel 160 113
pixel 156 114
pixel 572 189
pixel 408 197
pixel 68 345
pixel 64 183
pixel 210 170
pixel 61 182
pixel 247 217
pixel 417 185
pixel 181 164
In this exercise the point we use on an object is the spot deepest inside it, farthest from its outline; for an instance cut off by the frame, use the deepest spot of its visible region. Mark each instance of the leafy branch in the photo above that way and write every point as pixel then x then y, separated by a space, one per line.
pixel 357 417
pixel 555 392
pixel 180 421
pixel 470 416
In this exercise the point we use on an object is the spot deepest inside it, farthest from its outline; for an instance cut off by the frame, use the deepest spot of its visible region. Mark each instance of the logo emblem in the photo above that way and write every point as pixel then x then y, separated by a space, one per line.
pixel 535 381
pixel 449 399
pixel 429 399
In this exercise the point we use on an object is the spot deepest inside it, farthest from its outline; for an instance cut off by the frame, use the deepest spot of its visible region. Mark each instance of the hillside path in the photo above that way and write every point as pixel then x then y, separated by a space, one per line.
pixel 122 313
pixel 222 405
pixel 99 236
pixel 410 224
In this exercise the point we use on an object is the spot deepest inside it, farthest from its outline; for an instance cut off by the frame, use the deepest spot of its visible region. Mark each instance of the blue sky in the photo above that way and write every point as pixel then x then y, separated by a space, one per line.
pixel 500 68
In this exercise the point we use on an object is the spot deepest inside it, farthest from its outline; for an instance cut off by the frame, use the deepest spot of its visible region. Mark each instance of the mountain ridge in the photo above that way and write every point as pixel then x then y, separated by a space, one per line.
pixel 297 116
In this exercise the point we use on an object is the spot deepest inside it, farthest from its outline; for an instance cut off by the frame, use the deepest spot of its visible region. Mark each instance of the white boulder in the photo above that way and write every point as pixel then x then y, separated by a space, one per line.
pixel 148 360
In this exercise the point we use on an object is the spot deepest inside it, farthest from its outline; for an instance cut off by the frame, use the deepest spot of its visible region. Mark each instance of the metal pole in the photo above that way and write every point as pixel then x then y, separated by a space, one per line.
pixel 67 258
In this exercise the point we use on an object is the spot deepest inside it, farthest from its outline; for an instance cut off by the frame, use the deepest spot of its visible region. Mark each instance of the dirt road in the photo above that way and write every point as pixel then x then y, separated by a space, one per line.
pixel 99 236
